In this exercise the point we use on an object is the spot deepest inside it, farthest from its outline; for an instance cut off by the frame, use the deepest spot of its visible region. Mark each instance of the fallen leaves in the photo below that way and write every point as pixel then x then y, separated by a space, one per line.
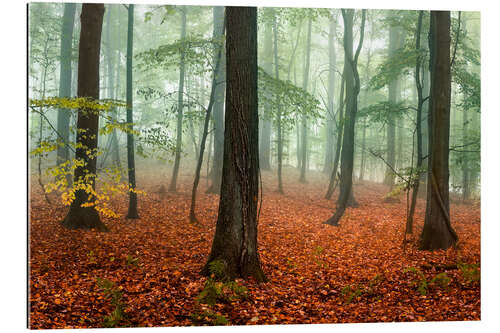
pixel 155 262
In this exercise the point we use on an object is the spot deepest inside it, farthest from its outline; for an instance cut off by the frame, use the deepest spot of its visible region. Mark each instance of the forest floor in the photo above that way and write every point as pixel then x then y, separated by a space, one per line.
pixel 356 272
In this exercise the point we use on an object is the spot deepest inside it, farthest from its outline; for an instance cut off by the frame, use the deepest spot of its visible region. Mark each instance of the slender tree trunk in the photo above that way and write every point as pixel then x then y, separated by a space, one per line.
pixel 366 94
pixel 305 84
pixel 420 101
pixel 218 63
pixel 63 115
pixel 438 232
pixel 235 240
pixel 180 105
pixel 330 117
pixel 218 107
pixel 86 217
pixel 391 125
pixel 267 65
pixel 340 131
pixel 111 82
pixel 278 106
pixel 352 90
pixel 132 205
pixel 425 123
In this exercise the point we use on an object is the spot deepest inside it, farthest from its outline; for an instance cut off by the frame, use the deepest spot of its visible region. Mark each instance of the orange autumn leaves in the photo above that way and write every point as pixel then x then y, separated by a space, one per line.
pixel 356 272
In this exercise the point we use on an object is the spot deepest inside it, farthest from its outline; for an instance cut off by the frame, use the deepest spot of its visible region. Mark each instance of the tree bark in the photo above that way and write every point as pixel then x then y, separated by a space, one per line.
pixel 340 132
pixel 235 240
pixel 63 115
pixel 218 63
pixel 305 83
pixel 278 106
pixel 88 120
pixel 267 65
pixel 352 90
pixel 115 149
pixel 180 105
pixel 438 232
pixel 132 204
pixel 330 117
pixel 420 98
pixel 391 125
pixel 218 107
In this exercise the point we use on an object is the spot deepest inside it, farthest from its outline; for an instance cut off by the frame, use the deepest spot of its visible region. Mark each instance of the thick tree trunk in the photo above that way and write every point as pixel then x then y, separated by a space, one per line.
pixel 88 120
pixel 180 105
pixel 438 232
pixel 235 240
pixel 63 115
pixel 352 90
pixel 132 204
pixel 218 116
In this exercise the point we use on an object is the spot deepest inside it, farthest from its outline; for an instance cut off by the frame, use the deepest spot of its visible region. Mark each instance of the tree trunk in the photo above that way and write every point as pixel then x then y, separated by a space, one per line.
pixel 278 106
pixel 132 205
pixel 88 120
pixel 418 83
pixel 218 107
pixel 330 117
pixel 218 63
pixel 391 125
pixel 180 105
pixel 235 240
pixel 340 132
pixel 352 90
pixel 305 83
pixel 111 82
pixel 267 65
pixel 438 232
pixel 63 115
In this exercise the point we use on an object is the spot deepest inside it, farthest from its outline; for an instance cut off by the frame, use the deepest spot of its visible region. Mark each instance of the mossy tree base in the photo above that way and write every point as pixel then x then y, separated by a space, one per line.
pixel 230 270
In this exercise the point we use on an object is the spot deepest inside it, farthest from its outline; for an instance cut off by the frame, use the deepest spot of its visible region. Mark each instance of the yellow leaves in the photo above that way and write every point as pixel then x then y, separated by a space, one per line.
pixel 76 103
pixel 110 184
pixel 44 147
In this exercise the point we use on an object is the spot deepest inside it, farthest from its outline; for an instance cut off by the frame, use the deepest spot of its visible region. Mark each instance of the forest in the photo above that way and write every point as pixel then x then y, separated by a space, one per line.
pixel 223 165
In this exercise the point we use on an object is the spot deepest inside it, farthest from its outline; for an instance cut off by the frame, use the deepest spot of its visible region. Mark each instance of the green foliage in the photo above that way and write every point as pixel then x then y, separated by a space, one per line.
pixel 131 261
pixel 317 254
pixel 91 257
pixel 217 269
pixel 208 317
pixel 291 15
pixel 382 112
pixel 440 280
pixel 219 287
pixel 195 51
pixel 421 281
pixel 217 291
pixel 290 99
pixel 117 318
pixel 470 272
pixel 351 293
pixel 402 62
